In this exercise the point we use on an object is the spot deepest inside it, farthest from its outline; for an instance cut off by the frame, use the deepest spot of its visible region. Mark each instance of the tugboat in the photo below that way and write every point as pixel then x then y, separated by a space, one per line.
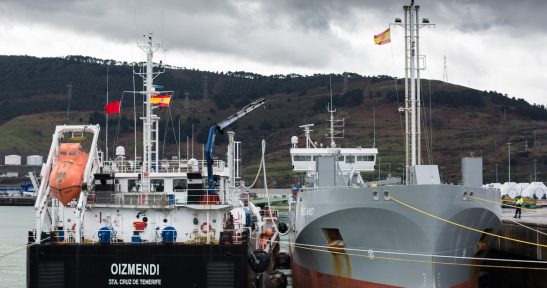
pixel 350 233
pixel 145 222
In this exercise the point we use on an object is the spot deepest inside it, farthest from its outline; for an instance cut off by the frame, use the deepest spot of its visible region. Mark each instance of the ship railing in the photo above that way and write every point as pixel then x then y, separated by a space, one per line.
pixel 266 215
pixel 164 166
pixel 201 197
pixel 132 199
pixel 63 236
pixel 240 236
pixel 181 197
pixel 237 239
pixel 292 203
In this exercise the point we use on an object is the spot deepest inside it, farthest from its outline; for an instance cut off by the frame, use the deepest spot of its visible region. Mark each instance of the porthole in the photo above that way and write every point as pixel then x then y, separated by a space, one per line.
pixel 376 195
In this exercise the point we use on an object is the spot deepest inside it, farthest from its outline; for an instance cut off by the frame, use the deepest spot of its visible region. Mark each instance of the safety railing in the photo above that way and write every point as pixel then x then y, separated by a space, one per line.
pixel 164 166
pixel 268 214
pixel 131 199
pixel 158 199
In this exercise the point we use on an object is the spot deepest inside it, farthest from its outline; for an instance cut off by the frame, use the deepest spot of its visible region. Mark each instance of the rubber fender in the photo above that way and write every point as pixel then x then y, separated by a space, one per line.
pixel 260 264
pixel 283 261
pixel 277 279
pixel 282 227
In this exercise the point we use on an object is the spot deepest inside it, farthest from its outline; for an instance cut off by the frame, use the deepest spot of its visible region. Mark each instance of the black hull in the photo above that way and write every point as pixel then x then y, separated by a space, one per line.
pixel 143 265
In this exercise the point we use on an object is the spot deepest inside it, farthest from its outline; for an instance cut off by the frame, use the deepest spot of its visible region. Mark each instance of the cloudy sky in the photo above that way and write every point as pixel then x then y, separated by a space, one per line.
pixel 489 44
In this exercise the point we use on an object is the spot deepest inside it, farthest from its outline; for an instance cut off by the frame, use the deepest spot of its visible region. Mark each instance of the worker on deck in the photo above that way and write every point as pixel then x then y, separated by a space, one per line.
pixel 518 206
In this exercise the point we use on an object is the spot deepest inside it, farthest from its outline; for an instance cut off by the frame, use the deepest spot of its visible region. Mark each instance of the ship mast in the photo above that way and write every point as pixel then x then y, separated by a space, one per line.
pixel 335 125
pixel 150 121
pixel 412 109
pixel 331 111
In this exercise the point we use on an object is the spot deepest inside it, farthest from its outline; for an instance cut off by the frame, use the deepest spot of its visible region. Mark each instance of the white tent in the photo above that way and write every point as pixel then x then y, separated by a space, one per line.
pixel 510 188
pixel 537 188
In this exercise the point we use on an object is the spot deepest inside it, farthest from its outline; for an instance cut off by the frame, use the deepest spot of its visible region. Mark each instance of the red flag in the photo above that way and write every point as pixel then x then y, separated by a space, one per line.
pixel 112 107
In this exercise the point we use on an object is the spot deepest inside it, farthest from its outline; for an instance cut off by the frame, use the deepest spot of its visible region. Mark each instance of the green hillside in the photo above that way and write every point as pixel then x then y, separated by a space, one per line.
pixel 464 122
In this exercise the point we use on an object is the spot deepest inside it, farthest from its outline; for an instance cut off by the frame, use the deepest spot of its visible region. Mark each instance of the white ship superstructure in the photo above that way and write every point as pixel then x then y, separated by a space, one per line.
pixel 188 217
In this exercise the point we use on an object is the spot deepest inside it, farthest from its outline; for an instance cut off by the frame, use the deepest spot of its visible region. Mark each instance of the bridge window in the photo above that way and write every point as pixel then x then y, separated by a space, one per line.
pixel 156 185
pixel 341 158
pixel 180 185
pixel 365 158
pixel 350 159
pixel 302 158
pixel 133 186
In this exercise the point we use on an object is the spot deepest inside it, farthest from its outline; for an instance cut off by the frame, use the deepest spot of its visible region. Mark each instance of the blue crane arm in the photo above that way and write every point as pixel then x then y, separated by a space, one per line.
pixel 219 127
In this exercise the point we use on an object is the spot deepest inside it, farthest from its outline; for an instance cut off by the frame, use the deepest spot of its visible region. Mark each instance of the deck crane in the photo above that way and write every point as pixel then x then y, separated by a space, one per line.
pixel 219 127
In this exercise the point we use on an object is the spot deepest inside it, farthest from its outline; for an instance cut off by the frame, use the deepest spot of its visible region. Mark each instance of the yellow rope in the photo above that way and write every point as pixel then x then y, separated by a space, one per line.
pixel 512 206
pixel 424 261
pixel 303 246
pixel 465 227
pixel 510 219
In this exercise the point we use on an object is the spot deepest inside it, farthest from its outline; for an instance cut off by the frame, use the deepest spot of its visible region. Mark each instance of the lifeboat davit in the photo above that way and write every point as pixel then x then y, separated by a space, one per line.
pixel 67 175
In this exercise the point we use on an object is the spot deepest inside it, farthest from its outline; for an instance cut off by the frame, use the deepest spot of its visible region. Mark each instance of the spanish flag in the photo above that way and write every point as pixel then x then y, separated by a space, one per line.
pixel 161 99
pixel 382 38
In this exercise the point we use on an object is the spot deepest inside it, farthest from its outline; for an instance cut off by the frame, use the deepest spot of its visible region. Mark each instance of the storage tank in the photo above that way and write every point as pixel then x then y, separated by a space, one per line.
pixel 35 160
pixel 13 160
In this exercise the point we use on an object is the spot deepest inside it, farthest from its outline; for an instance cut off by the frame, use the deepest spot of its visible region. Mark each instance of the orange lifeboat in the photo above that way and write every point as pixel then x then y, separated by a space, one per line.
pixel 67 174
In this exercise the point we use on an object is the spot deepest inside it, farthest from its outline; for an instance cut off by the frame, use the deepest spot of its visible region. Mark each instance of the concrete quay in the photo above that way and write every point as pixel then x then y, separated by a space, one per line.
pixel 532 228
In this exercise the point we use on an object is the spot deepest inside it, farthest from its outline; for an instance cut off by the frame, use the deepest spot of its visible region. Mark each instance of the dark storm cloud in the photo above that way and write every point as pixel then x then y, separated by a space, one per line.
pixel 465 15
pixel 288 32
pixel 236 28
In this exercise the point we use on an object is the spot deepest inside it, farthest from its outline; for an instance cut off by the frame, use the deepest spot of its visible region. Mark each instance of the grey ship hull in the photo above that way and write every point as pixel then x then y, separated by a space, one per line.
pixel 365 222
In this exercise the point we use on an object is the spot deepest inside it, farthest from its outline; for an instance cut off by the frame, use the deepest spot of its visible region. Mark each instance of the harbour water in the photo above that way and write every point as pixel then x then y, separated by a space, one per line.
pixel 17 221
pixel 14 226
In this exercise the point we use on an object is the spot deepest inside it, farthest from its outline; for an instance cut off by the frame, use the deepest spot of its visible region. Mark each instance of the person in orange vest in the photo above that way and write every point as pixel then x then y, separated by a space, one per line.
pixel 519 201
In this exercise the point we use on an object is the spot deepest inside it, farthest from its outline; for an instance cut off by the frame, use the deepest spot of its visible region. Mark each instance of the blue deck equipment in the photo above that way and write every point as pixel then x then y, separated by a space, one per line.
pixel 219 127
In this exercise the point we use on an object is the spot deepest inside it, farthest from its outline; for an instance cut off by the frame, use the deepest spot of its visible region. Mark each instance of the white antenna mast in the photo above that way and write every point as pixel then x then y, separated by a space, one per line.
pixel 374 126
pixel 346 86
pixel 412 108
pixel 150 144
pixel 106 134
pixel 445 72
pixel 69 98
pixel 331 111
pixel 336 126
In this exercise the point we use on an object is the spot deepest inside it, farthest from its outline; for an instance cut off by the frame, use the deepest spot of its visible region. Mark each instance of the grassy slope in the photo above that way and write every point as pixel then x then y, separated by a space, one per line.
pixel 462 131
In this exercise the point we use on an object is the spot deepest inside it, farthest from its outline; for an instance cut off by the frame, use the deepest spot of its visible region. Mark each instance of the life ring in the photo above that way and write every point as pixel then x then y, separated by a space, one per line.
pixel 202 226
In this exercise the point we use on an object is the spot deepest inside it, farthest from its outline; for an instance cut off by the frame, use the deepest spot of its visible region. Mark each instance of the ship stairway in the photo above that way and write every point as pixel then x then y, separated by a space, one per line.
pixel 43 195
pixel 154 141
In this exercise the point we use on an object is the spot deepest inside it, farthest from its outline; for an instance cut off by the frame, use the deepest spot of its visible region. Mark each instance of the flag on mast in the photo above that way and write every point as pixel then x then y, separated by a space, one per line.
pixel 162 99
pixel 383 38
pixel 112 107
